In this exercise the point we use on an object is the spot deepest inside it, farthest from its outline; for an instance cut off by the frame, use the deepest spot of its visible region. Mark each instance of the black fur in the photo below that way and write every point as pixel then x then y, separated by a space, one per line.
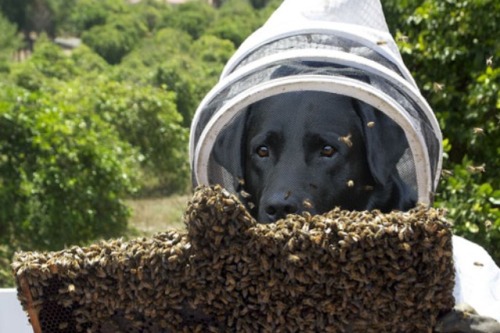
pixel 288 165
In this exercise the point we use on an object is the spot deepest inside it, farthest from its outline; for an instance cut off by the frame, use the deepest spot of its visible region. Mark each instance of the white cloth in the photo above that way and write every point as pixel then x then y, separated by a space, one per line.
pixel 477 280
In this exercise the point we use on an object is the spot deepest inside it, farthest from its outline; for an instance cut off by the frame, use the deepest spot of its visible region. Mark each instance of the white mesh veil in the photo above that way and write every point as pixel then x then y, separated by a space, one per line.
pixel 336 46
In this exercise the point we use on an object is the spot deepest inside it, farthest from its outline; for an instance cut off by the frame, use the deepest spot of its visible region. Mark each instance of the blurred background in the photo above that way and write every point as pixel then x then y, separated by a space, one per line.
pixel 96 99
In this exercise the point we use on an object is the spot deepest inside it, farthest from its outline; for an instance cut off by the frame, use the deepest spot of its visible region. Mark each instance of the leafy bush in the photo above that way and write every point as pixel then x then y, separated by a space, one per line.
pixel 152 13
pixel 62 173
pixel 176 76
pixel 152 51
pixel 193 17
pixel 89 13
pixel 48 64
pixel 86 61
pixel 236 20
pixel 9 41
pixel 172 59
pixel 116 38
pixel 211 53
pixel 146 118
pixel 473 206
pixel 6 276
pixel 50 60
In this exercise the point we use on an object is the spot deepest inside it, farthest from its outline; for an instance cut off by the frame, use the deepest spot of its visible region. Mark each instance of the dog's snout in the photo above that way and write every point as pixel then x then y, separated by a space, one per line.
pixel 279 206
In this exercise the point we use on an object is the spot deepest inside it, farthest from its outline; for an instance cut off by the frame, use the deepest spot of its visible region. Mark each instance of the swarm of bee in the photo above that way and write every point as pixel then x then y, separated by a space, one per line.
pixel 338 272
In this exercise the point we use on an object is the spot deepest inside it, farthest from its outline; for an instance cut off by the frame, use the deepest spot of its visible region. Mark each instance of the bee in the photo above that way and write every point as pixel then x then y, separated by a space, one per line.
pixel 307 204
pixel 476 169
pixel 446 173
pixel 63 326
pixel 245 194
pixel 437 86
pixel 478 130
pixel 293 258
pixel 489 61
pixel 403 38
pixel 287 194
pixel 346 139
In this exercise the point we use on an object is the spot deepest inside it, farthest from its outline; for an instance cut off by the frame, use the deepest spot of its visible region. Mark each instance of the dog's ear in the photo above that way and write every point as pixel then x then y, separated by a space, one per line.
pixel 385 141
pixel 229 147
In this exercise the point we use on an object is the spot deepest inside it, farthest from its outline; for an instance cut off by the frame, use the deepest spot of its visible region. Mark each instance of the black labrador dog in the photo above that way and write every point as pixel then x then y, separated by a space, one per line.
pixel 313 151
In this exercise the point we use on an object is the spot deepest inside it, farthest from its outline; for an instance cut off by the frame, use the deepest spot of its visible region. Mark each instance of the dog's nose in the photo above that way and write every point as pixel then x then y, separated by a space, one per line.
pixel 279 207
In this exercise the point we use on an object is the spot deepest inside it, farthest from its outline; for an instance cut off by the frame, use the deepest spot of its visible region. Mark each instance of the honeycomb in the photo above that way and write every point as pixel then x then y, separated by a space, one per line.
pixel 342 271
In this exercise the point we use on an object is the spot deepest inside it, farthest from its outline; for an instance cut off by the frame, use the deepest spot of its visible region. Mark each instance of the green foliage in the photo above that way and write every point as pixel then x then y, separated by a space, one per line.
pixel 143 116
pixel 211 53
pixel 116 38
pixel 15 11
pixel 86 61
pixel 9 41
pixel 89 13
pixel 473 206
pixel 146 117
pixel 148 64
pixel 265 12
pixel 152 51
pixel 48 63
pixel 235 30
pixel 62 173
pixel 51 61
pixel 193 17
pixel 190 69
pixel 438 62
pixel 258 4
pixel 152 13
pixel 175 76
pixel 6 276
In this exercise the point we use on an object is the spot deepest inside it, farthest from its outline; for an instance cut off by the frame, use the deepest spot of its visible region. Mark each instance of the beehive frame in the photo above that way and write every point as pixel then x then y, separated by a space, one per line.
pixel 337 272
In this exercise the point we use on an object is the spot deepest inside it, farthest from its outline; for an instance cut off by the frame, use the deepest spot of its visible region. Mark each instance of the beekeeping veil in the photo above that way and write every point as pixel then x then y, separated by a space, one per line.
pixel 336 46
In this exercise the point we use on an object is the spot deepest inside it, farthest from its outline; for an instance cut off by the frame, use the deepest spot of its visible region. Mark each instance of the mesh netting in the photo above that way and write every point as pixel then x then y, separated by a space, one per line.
pixel 317 41
pixel 346 47
pixel 338 272
pixel 419 119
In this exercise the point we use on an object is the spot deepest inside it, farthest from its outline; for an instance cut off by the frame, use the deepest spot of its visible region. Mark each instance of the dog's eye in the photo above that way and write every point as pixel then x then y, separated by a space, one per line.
pixel 263 151
pixel 327 151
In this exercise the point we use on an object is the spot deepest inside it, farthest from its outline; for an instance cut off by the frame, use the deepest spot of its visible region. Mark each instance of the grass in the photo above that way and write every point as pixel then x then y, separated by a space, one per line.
pixel 153 215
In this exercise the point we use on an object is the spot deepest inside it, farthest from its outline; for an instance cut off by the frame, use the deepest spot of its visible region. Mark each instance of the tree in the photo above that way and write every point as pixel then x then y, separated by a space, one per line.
pixel 193 17
pixel 62 173
pixel 175 75
pixel 89 13
pixel 15 11
pixel 9 41
pixel 146 117
pixel 235 21
pixel 116 38
pixel 211 53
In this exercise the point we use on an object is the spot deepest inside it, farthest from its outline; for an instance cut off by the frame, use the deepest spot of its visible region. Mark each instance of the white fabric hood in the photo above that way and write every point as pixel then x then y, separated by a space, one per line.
pixel 337 46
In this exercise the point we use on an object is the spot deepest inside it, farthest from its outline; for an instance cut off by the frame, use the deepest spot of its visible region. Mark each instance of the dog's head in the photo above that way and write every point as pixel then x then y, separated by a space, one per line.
pixel 313 151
